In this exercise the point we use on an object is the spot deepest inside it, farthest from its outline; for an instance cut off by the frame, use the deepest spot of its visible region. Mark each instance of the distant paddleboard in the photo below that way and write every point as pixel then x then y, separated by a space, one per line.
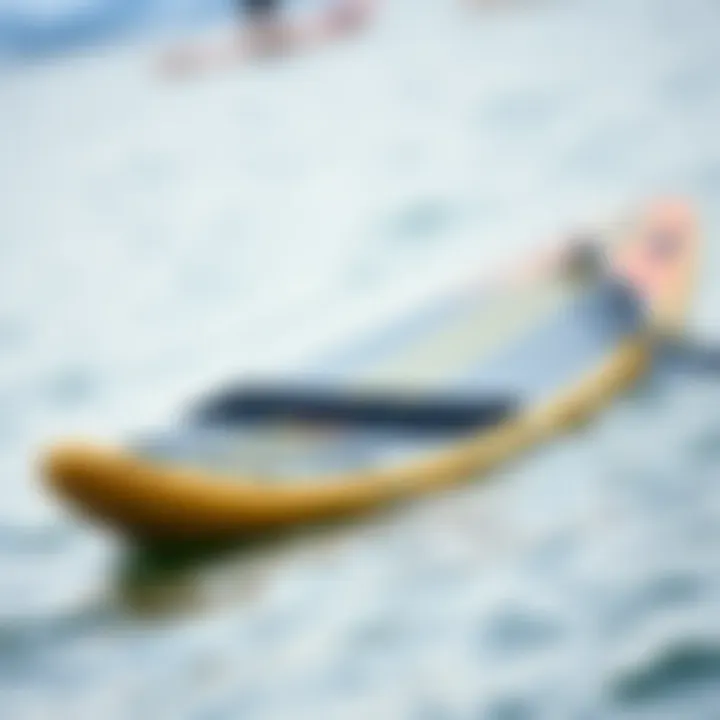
pixel 272 37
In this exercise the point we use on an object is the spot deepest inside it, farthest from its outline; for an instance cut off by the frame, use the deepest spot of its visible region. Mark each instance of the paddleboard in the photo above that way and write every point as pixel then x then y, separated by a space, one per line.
pixel 270 38
pixel 443 394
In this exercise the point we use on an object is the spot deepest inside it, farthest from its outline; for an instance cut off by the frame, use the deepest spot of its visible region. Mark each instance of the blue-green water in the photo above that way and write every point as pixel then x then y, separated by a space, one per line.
pixel 157 237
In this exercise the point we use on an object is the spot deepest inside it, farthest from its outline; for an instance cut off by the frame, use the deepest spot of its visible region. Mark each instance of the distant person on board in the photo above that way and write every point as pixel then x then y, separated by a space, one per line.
pixel 264 31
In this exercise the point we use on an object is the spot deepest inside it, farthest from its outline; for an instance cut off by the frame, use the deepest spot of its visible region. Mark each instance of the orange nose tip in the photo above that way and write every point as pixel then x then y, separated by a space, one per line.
pixel 63 465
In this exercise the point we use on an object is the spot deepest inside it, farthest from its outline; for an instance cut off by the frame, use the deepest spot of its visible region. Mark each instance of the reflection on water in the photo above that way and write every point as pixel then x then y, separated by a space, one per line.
pixel 156 238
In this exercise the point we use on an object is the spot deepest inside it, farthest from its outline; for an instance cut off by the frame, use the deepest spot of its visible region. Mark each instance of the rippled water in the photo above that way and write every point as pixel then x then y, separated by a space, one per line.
pixel 154 238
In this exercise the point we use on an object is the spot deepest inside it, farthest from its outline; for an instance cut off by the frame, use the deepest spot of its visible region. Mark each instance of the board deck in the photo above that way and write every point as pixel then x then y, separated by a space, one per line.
pixel 444 393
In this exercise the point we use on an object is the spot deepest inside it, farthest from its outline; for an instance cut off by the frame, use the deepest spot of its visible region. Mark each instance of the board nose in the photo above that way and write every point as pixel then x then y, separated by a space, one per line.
pixel 58 467
pixel 69 468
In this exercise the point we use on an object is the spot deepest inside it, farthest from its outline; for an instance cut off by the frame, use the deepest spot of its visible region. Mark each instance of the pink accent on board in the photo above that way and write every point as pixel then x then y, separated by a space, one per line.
pixel 652 261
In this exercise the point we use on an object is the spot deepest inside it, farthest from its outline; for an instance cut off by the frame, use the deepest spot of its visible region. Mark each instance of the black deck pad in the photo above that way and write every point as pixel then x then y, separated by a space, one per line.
pixel 392 411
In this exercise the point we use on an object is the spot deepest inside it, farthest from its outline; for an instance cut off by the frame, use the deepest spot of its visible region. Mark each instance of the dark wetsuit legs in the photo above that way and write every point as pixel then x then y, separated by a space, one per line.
pixel 258 9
